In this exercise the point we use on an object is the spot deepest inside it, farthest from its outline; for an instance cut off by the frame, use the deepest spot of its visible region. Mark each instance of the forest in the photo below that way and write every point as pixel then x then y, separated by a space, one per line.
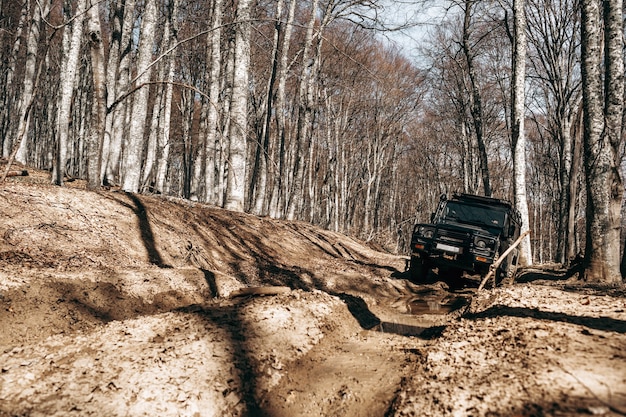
pixel 305 110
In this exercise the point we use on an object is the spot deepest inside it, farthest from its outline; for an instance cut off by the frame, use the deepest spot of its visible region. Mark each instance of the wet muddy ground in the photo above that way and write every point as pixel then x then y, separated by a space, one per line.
pixel 123 305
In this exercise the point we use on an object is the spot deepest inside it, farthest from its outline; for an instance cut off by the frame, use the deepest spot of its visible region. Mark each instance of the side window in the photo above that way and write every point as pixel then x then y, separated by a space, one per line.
pixel 513 228
pixel 510 227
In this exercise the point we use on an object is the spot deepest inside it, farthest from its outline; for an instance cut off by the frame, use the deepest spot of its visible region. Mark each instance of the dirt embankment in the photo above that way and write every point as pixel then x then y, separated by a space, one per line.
pixel 122 305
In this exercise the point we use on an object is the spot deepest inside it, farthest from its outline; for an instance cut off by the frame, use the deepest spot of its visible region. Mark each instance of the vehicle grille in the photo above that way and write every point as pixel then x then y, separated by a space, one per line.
pixel 451 236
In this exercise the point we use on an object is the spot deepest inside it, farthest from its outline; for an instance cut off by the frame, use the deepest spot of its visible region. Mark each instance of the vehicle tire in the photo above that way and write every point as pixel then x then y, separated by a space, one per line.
pixel 453 277
pixel 501 276
pixel 504 274
pixel 418 270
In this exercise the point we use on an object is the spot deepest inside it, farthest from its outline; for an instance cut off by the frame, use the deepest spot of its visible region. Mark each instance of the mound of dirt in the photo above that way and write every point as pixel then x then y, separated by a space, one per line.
pixel 526 350
pixel 120 304
pixel 125 305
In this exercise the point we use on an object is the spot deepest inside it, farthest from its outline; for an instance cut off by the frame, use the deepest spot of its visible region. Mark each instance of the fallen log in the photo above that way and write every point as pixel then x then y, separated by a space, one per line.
pixel 496 264
pixel 259 291
pixel 22 173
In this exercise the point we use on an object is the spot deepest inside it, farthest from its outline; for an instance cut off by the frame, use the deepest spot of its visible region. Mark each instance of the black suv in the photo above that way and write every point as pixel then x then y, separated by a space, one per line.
pixel 466 234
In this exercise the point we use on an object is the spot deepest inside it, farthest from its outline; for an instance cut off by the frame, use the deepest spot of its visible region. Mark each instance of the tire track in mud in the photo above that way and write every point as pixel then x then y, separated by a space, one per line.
pixel 360 372
pixel 354 375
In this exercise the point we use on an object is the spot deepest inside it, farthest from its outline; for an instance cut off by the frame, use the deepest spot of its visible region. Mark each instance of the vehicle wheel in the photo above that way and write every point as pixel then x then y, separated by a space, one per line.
pixel 454 278
pixel 419 270
pixel 505 273
pixel 501 276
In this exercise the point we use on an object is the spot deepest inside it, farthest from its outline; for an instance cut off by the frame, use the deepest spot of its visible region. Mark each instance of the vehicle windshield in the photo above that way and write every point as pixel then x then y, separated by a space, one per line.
pixel 465 213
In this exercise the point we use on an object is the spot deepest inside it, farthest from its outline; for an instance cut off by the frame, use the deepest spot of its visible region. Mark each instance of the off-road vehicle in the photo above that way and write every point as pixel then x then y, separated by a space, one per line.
pixel 466 234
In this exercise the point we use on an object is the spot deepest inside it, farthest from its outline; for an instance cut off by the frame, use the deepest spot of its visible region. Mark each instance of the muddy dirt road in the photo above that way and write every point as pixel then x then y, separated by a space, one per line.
pixel 113 304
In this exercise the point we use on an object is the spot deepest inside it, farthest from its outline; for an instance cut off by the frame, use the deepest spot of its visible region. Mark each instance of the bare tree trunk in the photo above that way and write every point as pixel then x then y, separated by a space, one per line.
pixel 604 188
pixel 163 134
pixel 163 139
pixel 565 173
pixel 98 113
pixel 613 115
pixel 30 73
pixel 476 103
pixel 118 77
pixel 158 143
pixel 518 113
pixel 7 128
pixel 187 109
pixel 308 197
pixel 159 110
pixel 212 140
pixel 305 131
pixel 116 17
pixel 279 152
pixel 261 169
pixel 466 160
pixel 236 184
pixel 134 148
pixel 304 118
pixel 571 243
pixel 71 48
pixel 375 161
pixel 222 147
pixel 147 176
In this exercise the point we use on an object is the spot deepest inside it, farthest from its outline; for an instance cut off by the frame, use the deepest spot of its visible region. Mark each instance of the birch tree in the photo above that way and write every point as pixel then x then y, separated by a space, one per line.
pixel 30 73
pixel 260 174
pixel 98 113
pixel 9 96
pixel 212 140
pixel 163 139
pixel 518 114
pixel 613 131
pixel 278 152
pixel 602 135
pixel 236 184
pixel 118 79
pixel 303 117
pixel 72 40
pixel 134 145
pixel 158 148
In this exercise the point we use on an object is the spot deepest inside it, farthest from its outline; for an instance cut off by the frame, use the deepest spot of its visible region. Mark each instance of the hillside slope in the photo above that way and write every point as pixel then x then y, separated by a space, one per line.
pixel 124 305
pixel 125 294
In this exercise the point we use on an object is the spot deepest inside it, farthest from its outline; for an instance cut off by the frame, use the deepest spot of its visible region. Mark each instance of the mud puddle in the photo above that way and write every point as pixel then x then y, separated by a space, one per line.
pixel 424 312
pixel 433 301
pixel 438 304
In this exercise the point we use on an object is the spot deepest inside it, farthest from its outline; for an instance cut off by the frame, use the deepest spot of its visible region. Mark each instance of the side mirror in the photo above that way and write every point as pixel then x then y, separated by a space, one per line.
pixel 512 229
pixel 432 217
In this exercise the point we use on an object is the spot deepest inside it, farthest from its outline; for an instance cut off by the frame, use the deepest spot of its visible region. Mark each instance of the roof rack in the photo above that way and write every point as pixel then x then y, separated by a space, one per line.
pixel 489 201
pixel 482 199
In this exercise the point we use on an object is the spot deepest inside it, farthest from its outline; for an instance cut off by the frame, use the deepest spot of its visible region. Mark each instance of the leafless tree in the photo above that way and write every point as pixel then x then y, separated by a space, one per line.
pixel 72 40
pixel 236 185
pixel 476 104
pixel 518 116
pixel 554 38
pixel 133 149
pixel 98 113
pixel 602 135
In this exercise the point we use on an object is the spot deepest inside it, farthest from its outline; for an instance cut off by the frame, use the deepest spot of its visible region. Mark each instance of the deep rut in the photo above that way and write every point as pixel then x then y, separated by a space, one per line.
pixel 357 375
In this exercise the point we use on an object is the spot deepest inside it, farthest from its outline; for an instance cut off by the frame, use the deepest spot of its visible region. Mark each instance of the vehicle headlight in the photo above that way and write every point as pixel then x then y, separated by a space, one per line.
pixel 426 232
pixel 484 242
